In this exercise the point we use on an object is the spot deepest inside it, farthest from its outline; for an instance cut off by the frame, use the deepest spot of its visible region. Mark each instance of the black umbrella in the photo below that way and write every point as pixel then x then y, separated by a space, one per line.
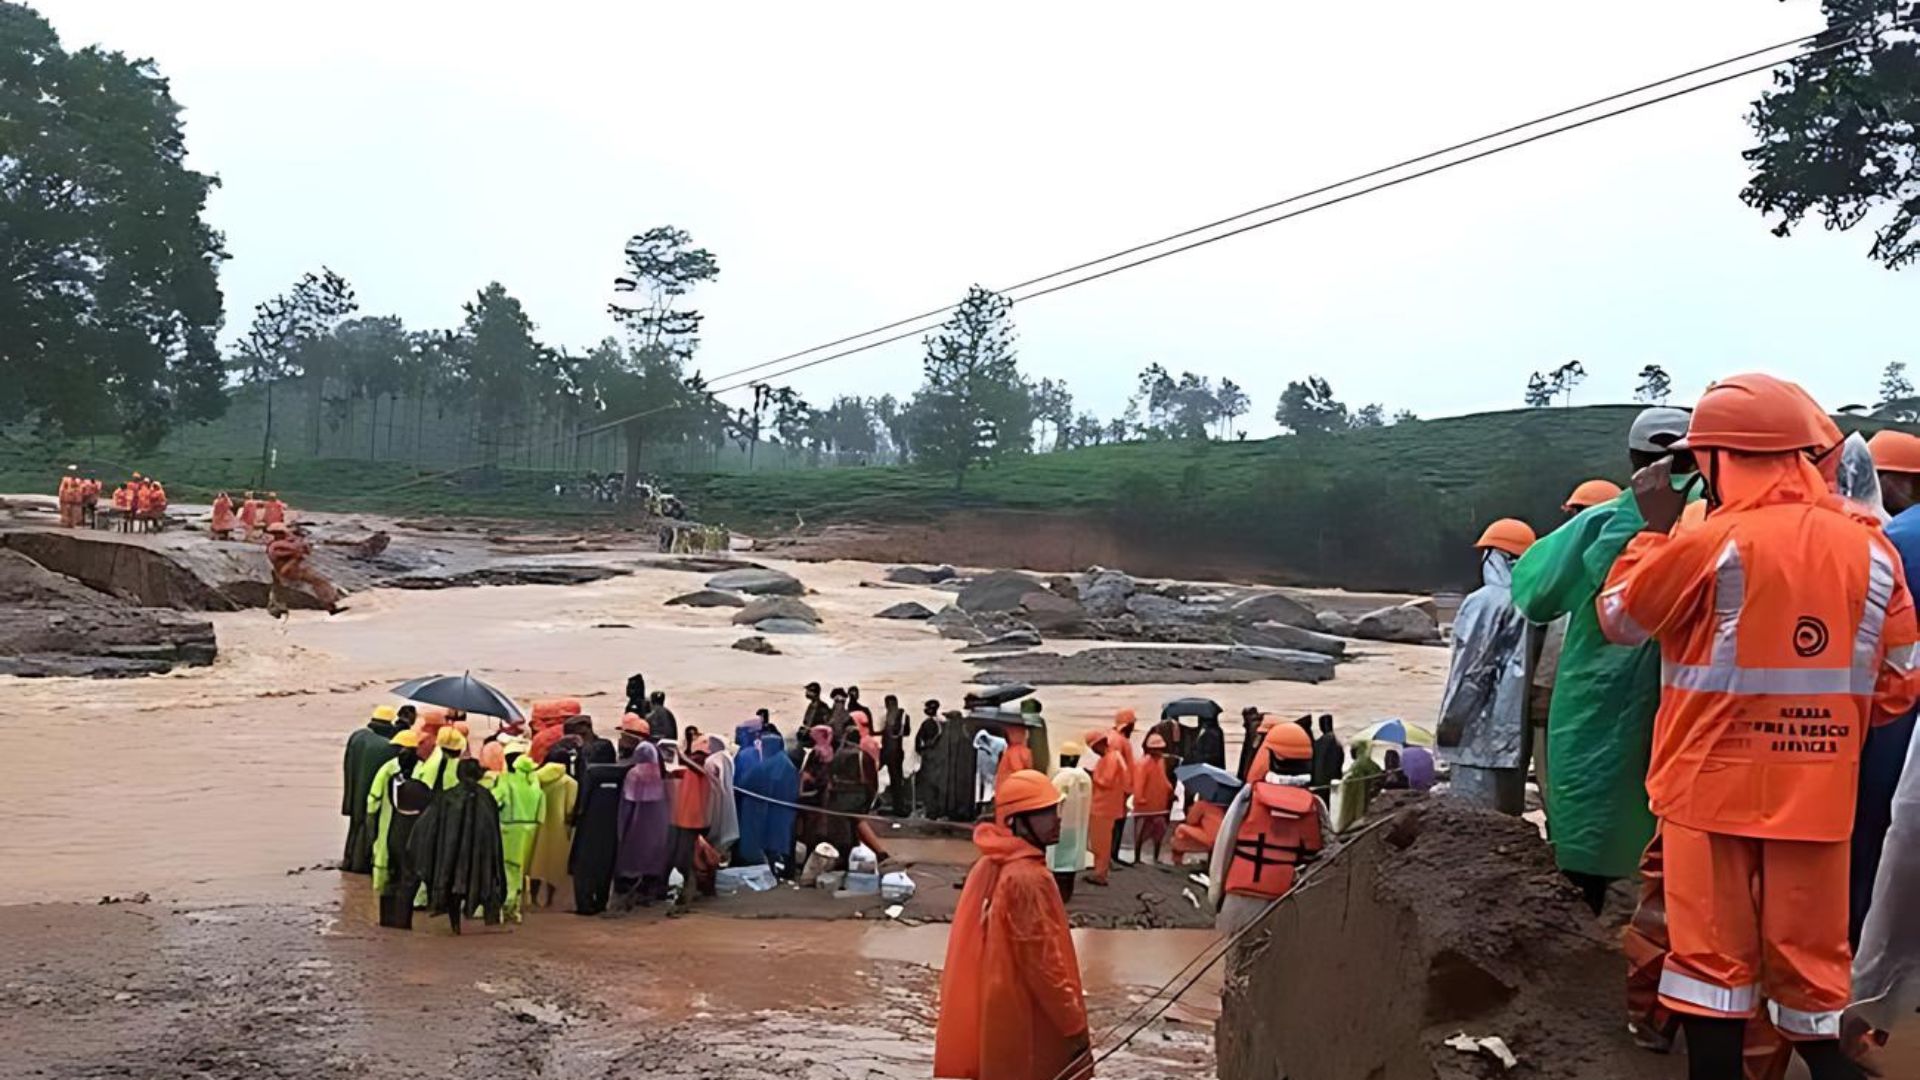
pixel 463 692
pixel 979 717
pixel 1205 708
pixel 1207 782
pixel 1000 695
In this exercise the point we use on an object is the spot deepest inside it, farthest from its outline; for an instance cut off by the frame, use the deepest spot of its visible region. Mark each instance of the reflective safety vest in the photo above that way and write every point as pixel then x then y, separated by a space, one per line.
pixel 1784 627
pixel 1282 829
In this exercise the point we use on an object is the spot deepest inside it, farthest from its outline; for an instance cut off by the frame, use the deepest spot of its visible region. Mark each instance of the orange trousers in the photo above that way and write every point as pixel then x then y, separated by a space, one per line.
pixel 1100 842
pixel 1750 917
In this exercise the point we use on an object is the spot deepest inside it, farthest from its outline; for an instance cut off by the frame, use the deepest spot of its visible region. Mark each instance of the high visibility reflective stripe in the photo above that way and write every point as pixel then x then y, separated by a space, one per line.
pixel 1615 622
pixel 1901 658
pixel 1733 1001
pixel 1729 596
pixel 1812 1025
pixel 1873 617
pixel 1761 682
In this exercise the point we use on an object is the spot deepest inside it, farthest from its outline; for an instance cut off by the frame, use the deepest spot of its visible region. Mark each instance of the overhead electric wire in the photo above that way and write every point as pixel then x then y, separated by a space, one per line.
pixel 922 327
pixel 1289 200
pixel 1323 189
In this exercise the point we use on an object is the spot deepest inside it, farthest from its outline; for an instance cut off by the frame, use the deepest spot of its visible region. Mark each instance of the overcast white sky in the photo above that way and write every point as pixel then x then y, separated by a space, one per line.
pixel 850 164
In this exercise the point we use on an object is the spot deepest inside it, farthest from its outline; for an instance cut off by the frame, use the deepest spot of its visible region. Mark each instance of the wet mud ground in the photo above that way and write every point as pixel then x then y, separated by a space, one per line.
pixel 307 986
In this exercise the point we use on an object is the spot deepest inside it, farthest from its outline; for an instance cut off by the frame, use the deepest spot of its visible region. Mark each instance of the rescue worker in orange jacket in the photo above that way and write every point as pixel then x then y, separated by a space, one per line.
pixel 222 528
pixel 1273 826
pixel 1011 1005
pixel 287 553
pixel 89 501
pixel 1107 819
pixel 273 511
pixel 1152 799
pixel 1785 629
pixel 69 498
pixel 250 517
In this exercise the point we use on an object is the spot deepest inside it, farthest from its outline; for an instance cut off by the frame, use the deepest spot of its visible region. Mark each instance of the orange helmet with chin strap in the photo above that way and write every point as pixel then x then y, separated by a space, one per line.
pixel 1510 535
pixel 1023 792
pixel 1759 414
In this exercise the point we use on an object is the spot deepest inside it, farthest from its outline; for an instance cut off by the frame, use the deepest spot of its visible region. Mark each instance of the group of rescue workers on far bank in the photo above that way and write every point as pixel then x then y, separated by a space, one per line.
pixel 1711 675
pixel 140 505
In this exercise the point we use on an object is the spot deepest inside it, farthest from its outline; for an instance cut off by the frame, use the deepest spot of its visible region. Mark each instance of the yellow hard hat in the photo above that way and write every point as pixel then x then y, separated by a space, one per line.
pixel 451 738
pixel 405 737
pixel 385 712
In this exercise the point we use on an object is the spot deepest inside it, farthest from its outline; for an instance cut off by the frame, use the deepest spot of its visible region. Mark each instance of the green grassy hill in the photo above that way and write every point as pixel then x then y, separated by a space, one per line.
pixel 1394 507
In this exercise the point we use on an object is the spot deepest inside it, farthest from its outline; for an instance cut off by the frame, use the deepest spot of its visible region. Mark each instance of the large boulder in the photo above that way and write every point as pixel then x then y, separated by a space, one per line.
pixel 918 575
pixel 758 583
pixel 1001 590
pixel 1409 624
pixel 907 610
pixel 1282 636
pixel 784 626
pixel 51 625
pixel 1106 592
pixel 1151 608
pixel 704 598
pixel 1012 639
pixel 1335 623
pixel 1051 613
pixel 1271 607
pixel 957 625
pixel 776 607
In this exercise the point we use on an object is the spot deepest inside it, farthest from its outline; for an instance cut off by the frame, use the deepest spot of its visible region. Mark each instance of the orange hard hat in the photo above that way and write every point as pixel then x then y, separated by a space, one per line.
pixel 1023 792
pixel 1097 739
pixel 1123 719
pixel 1510 535
pixel 1758 414
pixel 1289 742
pixel 1895 451
pixel 1591 493
pixel 634 725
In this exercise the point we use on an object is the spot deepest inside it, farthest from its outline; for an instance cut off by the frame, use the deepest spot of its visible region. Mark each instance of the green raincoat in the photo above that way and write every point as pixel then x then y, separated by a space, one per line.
pixel 518 792
pixel 1600 722
pixel 380 812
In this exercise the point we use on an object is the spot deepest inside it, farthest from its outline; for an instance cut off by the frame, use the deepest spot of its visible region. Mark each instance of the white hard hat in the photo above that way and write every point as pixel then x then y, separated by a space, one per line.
pixel 1655 429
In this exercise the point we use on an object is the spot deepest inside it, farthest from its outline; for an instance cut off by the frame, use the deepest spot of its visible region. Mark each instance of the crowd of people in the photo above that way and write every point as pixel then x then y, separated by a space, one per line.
pixel 1712 675
pixel 139 505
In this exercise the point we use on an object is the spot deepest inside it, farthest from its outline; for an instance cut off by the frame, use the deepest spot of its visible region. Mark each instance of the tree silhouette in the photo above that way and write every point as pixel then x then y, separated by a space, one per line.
pixel 1539 391
pixel 1565 378
pixel 1896 395
pixel 974 407
pixel 1309 408
pixel 1655 385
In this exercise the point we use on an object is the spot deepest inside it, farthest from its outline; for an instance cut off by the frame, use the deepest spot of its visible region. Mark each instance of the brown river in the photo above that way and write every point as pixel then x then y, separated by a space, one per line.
pixel 208 800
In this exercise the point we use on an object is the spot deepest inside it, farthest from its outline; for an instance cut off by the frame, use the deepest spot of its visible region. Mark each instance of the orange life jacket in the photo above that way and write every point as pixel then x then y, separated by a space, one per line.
pixel 122 498
pixel 275 511
pixel 1282 828
pixel 222 514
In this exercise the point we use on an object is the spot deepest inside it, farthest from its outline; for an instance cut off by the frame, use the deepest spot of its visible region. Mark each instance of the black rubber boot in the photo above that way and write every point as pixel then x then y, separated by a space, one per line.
pixel 1714 1047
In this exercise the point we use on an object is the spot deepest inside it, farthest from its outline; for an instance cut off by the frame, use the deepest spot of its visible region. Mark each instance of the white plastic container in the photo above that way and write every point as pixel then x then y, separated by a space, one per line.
pixel 896 888
pixel 863 861
pixel 819 862
pixel 862 884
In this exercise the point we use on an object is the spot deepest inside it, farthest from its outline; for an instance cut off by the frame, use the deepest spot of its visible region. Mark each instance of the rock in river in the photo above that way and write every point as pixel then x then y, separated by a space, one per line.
pixel 916 575
pixel 1408 623
pixel 1272 607
pixel 707 598
pixel 53 625
pixel 756 644
pixel 907 610
pixel 758 583
pixel 784 626
pixel 1106 593
pixel 1001 590
pixel 776 607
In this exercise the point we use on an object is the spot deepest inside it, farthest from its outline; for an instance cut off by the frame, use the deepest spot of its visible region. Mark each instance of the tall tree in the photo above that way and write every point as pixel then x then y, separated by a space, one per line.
pixel 1840 130
pixel 503 362
pixel 1309 408
pixel 1406 416
pixel 662 268
pixel 1539 391
pixel 1234 404
pixel 1565 378
pixel 1088 431
pixel 109 293
pixel 974 406
pixel 1192 407
pixel 1655 385
pixel 1053 404
pixel 1896 394
pixel 285 329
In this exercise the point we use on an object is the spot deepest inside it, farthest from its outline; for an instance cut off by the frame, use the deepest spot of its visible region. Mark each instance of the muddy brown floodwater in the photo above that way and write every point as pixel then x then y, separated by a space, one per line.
pixel 207 802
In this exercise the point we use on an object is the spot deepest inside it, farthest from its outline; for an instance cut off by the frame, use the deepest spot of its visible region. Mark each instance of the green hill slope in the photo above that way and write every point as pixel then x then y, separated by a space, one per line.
pixel 1393 507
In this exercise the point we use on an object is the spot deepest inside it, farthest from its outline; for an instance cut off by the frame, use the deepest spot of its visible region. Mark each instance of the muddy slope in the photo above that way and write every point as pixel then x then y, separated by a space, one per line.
pixel 1446 920
pixel 185 573
pixel 52 625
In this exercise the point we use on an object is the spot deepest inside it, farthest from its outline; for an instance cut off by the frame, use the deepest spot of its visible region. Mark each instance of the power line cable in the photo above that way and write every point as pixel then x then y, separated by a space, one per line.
pixel 1372 173
pixel 715 391
pixel 1184 233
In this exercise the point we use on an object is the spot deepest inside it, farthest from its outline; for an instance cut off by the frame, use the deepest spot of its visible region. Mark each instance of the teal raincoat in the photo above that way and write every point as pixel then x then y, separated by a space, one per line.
pixel 1600 722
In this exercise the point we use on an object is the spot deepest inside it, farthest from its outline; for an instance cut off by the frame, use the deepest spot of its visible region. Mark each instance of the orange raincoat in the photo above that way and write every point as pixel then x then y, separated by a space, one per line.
pixel 222 514
pixel 1017 756
pixel 1785 628
pixel 1011 1005
pixel 1112 780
